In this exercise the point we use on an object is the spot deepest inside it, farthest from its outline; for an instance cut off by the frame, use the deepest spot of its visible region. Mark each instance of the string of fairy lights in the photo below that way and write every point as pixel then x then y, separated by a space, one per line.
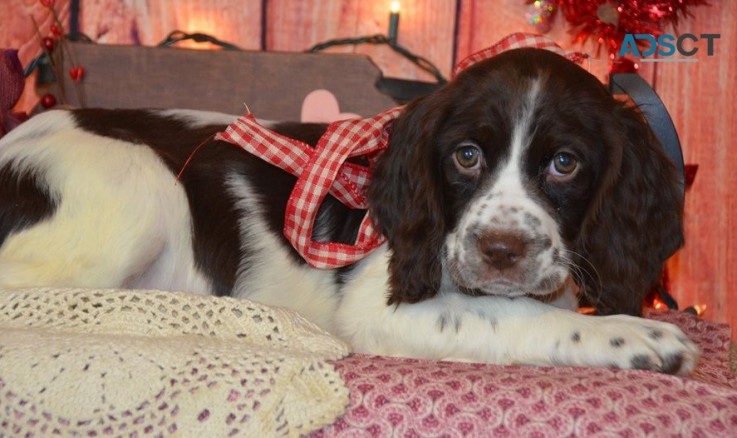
pixel 401 90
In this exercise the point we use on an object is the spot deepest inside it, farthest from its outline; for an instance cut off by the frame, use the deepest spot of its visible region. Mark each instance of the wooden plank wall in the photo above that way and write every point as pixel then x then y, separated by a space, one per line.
pixel 700 96
pixel 701 99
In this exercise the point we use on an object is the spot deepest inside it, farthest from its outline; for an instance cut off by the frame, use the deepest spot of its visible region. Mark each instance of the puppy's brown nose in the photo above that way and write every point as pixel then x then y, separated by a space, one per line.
pixel 501 249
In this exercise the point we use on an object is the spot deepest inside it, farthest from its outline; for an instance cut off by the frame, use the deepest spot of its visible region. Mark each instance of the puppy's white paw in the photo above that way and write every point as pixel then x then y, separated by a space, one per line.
pixel 628 342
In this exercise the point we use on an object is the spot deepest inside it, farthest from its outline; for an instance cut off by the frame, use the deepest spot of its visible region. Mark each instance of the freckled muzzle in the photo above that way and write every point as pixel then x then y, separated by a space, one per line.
pixel 506 251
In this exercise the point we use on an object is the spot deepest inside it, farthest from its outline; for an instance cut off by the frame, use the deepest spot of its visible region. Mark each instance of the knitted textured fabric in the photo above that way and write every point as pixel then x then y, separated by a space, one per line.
pixel 97 362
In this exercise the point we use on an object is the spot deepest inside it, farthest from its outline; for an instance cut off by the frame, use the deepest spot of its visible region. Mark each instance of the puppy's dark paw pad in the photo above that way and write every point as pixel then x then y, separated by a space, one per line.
pixel 673 364
pixel 643 362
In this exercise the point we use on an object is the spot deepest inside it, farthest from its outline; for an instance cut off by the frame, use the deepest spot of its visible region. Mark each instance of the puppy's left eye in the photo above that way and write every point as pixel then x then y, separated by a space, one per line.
pixel 468 156
pixel 563 166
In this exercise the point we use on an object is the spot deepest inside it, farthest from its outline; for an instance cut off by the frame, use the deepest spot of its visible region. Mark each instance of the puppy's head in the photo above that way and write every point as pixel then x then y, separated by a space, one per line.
pixel 520 172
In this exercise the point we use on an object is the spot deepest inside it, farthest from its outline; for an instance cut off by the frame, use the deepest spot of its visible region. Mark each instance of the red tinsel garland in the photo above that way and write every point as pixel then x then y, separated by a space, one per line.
pixel 608 21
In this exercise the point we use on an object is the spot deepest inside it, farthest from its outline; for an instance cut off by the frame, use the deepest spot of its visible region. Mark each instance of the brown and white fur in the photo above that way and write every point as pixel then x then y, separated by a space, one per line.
pixel 501 193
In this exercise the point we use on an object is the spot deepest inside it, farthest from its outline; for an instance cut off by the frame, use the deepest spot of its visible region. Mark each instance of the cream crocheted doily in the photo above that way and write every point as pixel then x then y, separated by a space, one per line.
pixel 111 362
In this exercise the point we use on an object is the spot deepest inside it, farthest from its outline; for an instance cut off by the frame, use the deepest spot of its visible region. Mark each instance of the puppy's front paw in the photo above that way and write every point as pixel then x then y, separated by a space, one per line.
pixel 621 341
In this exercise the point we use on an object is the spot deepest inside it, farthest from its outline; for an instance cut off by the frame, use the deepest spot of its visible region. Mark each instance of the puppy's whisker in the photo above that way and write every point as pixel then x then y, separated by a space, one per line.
pixel 584 268
pixel 593 272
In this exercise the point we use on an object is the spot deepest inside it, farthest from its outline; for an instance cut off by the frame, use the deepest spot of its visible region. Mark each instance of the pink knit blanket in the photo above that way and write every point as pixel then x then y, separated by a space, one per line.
pixel 408 397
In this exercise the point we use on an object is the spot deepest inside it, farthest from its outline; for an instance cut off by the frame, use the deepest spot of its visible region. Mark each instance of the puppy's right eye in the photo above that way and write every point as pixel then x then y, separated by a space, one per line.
pixel 468 156
pixel 563 166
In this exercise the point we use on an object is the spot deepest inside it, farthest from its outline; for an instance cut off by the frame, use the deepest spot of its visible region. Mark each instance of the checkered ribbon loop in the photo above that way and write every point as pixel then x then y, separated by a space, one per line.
pixel 320 171
pixel 517 41
pixel 324 169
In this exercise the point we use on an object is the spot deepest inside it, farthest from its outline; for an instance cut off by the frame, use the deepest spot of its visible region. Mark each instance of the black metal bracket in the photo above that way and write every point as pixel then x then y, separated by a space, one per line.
pixel 657 116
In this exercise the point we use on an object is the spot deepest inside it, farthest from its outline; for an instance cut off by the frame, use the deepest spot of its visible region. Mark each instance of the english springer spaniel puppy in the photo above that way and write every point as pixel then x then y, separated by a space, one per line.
pixel 515 186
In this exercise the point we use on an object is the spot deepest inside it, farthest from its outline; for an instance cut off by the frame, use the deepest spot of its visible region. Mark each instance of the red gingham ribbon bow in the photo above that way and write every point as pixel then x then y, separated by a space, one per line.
pixel 319 171
pixel 324 169
pixel 517 41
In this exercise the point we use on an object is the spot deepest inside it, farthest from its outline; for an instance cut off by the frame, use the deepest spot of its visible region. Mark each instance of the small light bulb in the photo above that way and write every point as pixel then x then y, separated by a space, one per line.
pixel 393 22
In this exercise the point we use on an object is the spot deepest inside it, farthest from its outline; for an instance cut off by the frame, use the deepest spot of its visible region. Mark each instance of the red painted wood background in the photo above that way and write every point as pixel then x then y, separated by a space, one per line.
pixel 700 96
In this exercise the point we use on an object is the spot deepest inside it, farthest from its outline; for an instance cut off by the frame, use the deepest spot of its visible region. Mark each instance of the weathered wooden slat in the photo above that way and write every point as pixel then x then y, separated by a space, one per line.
pixel 483 23
pixel 701 98
pixel 223 81
pixel 425 27
pixel 147 22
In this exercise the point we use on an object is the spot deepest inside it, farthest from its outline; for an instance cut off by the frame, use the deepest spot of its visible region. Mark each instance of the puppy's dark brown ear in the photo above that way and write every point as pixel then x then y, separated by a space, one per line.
pixel 635 221
pixel 405 199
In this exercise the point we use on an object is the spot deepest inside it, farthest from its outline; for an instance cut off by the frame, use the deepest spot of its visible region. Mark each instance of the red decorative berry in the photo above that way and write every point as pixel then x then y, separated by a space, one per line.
pixel 55 30
pixel 76 73
pixel 47 3
pixel 48 100
pixel 48 43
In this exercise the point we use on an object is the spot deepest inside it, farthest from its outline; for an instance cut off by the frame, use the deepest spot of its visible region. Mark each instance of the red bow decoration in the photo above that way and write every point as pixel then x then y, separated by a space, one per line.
pixel 324 169
pixel 518 41
pixel 319 171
